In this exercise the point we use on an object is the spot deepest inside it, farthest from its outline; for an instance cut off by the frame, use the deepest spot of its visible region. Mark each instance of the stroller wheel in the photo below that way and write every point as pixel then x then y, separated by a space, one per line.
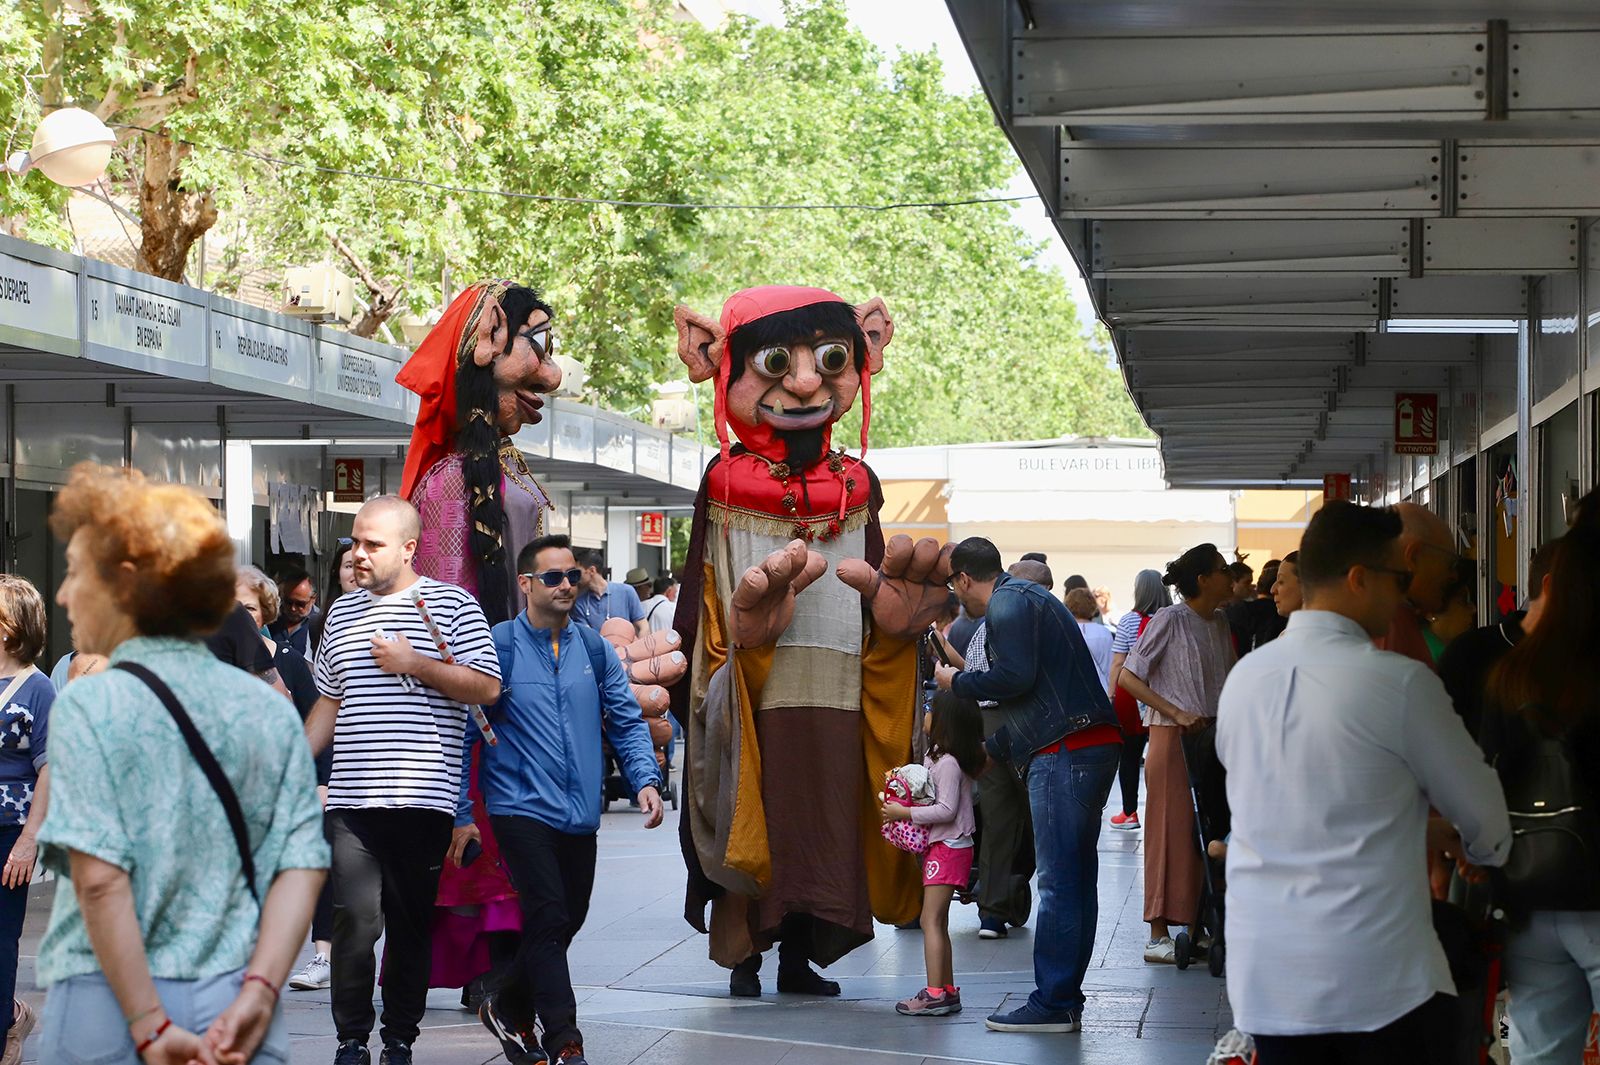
pixel 1215 962
pixel 1183 948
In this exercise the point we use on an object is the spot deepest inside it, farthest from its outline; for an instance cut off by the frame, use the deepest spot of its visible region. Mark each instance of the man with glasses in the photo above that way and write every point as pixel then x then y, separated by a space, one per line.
pixel 1335 751
pixel 600 598
pixel 297 594
pixel 1428 555
pixel 564 686
pixel 1058 725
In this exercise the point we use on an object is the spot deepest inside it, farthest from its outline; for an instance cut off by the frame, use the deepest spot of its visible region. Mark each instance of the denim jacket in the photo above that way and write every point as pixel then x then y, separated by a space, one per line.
pixel 1040 672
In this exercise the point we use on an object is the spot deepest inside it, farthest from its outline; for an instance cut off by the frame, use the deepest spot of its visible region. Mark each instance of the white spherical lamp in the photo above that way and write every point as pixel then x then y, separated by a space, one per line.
pixel 71 147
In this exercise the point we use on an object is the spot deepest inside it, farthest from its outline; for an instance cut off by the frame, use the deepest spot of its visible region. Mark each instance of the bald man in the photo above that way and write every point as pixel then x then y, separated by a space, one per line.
pixel 398 709
pixel 1430 559
pixel 1032 569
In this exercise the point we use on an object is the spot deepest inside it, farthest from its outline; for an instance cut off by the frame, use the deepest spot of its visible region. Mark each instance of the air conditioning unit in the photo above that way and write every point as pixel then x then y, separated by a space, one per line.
pixel 319 293
pixel 574 378
pixel 673 415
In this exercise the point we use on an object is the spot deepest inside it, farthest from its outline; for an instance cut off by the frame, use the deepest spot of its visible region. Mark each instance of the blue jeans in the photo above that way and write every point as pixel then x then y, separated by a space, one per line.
pixel 1067 792
pixel 13 910
pixel 1553 972
pixel 83 1023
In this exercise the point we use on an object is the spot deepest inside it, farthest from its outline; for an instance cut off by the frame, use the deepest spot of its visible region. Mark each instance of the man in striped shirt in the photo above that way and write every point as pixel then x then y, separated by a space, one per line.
pixel 399 713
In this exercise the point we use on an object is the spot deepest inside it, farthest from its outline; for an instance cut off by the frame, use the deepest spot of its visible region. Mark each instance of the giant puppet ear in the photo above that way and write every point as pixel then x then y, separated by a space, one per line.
pixel 700 343
pixel 879 328
pixel 493 332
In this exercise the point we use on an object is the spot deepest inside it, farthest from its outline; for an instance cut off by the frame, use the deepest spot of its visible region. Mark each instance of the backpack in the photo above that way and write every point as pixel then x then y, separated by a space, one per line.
pixel 1555 826
pixel 506 650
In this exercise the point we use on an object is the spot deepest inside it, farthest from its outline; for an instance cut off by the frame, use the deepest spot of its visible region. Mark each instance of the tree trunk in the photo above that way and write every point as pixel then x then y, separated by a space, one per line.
pixel 387 297
pixel 171 218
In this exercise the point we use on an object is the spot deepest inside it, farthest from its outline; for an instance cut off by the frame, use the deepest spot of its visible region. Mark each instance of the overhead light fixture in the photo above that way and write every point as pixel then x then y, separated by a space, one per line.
pixel 71 147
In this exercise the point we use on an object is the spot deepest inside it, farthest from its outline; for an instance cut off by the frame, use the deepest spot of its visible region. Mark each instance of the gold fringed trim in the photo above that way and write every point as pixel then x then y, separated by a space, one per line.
pixel 776 525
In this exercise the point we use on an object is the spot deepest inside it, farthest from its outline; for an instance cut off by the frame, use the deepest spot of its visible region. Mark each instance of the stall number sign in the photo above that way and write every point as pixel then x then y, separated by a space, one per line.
pixel 1416 423
pixel 1335 486
pixel 349 480
pixel 144 324
pixel 653 528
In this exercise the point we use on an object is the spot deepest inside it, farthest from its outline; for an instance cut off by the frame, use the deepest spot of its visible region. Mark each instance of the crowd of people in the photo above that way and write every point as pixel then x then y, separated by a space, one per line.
pixel 1336 735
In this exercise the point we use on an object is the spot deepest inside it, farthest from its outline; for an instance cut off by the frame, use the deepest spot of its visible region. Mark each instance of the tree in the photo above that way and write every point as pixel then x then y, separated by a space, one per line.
pixel 423 140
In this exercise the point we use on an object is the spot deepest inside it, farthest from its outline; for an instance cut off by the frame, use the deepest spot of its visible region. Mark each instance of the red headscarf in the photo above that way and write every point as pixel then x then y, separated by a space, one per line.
pixel 431 374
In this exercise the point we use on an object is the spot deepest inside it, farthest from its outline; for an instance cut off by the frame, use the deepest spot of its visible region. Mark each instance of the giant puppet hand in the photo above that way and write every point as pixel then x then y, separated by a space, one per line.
pixel 652 662
pixel 908 592
pixel 763 602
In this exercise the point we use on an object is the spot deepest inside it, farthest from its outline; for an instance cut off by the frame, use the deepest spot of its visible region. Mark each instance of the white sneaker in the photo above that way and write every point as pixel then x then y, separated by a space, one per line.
pixel 1161 951
pixel 316 976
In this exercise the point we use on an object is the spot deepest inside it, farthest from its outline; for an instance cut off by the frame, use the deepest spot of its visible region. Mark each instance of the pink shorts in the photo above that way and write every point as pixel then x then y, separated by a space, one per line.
pixel 947 865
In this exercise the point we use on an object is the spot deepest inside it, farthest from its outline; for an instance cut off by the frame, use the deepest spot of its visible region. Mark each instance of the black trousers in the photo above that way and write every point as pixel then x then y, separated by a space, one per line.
pixel 322 916
pixel 1128 770
pixel 553 873
pixel 385 879
pixel 1415 1039
pixel 1005 840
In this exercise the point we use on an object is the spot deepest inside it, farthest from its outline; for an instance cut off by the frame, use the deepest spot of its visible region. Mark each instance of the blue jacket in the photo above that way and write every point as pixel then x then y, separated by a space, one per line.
pixel 548 763
pixel 1040 672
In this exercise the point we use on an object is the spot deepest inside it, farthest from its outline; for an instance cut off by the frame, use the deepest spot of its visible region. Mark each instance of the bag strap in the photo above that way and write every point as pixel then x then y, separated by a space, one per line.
pixel 17 681
pixel 597 647
pixel 208 765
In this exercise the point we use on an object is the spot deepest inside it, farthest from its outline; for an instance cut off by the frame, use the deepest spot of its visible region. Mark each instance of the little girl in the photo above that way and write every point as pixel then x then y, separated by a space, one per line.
pixel 955 756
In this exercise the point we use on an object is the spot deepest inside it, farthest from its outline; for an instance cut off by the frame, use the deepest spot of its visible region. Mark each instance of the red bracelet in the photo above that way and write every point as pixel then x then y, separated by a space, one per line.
pixel 151 1039
pixel 264 982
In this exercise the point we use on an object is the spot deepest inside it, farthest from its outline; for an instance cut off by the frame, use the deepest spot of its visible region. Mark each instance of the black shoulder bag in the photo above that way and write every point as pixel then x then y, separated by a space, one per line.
pixel 208 765
pixel 1555 826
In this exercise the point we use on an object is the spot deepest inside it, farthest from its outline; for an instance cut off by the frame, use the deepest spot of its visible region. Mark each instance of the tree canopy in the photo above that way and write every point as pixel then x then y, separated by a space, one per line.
pixel 468 111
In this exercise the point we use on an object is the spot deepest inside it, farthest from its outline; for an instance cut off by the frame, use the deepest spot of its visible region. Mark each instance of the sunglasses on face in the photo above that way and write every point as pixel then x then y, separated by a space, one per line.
pixel 552 578
pixel 1402 577
pixel 301 604
pixel 542 339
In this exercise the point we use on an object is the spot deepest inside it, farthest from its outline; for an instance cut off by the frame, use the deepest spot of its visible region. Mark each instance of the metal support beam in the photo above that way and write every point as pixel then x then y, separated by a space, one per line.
pixel 1527 476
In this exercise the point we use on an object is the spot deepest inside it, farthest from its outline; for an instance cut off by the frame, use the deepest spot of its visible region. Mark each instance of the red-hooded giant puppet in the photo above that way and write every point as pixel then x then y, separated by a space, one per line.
pixel 803 628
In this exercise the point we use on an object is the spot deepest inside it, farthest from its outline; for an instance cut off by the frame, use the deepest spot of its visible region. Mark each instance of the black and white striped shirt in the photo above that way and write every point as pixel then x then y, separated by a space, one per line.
pixel 392 747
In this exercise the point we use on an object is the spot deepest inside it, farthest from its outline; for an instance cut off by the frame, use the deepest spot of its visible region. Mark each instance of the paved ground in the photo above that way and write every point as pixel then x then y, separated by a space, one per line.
pixel 647 992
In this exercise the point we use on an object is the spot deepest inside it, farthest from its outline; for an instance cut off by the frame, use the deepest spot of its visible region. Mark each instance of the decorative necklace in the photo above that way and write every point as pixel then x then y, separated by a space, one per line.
pixel 780 472
pixel 516 468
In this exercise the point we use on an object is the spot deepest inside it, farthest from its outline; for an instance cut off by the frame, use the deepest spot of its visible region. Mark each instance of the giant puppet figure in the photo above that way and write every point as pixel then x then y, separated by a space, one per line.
pixel 803 628
pixel 480 373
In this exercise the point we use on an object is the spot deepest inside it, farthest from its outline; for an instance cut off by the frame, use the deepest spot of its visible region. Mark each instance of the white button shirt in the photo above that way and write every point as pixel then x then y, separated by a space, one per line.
pixel 1334 751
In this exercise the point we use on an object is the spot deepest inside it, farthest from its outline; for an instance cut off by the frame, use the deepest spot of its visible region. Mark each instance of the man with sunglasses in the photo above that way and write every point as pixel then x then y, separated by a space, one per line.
pixel 1335 750
pixel 564 687
pixel 298 594
pixel 1428 551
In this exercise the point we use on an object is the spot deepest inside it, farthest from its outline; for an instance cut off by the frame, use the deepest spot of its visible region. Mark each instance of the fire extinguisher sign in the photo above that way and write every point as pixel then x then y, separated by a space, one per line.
pixel 1416 423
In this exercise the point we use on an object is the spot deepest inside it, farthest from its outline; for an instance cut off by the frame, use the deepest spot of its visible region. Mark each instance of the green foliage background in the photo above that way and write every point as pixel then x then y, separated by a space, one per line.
pixel 612 100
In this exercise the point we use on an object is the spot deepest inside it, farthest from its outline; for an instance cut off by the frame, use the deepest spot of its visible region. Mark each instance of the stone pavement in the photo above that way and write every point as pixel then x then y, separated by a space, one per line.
pixel 647 993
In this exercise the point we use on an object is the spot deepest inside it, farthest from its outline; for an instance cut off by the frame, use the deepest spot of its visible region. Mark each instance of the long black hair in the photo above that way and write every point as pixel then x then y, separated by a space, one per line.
pixel 478 439
pixel 1554 668
pixel 957 730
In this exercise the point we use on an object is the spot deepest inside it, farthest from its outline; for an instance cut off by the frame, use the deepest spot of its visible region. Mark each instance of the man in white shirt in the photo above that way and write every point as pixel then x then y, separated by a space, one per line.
pixel 1335 750
pixel 1081 602
pixel 662 604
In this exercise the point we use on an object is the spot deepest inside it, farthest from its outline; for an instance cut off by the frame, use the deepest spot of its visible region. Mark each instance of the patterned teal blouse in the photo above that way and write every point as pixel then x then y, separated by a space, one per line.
pixel 125 789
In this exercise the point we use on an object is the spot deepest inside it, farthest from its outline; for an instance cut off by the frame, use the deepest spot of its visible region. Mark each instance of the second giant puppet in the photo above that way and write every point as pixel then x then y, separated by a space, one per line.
pixel 803 628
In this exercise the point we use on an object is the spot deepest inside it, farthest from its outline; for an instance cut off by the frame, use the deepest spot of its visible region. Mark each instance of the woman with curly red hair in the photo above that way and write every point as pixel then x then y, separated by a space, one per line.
pixel 185 913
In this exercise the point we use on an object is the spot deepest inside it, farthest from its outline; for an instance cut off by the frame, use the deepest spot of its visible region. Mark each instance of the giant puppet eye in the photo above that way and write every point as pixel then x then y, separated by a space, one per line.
pixel 832 357
pixel 772 362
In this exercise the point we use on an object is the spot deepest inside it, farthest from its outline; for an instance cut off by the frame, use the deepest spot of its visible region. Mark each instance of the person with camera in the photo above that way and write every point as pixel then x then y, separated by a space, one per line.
pixel 541 782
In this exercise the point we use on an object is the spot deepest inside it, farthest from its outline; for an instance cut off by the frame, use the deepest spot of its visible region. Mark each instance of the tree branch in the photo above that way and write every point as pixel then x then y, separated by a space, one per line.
pixel 386 298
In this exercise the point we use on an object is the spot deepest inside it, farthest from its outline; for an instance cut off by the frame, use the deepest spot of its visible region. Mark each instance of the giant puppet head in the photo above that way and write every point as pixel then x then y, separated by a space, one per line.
pixel 479 374
pixel 788 362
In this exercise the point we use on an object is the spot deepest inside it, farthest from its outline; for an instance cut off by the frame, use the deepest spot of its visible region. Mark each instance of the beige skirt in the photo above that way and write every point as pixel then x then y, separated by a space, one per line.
pixel 1172 872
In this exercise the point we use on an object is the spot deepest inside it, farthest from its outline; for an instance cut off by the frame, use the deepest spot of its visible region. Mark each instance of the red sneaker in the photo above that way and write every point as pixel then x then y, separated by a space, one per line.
pixel 1126 822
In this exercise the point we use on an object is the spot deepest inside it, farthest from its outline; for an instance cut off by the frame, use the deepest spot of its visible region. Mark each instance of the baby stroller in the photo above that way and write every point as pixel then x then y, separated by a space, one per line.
pixel 616 787
pixel 1211 823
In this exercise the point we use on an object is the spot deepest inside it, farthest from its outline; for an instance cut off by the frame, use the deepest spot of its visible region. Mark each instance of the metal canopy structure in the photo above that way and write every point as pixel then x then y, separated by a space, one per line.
pixel 1288 211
